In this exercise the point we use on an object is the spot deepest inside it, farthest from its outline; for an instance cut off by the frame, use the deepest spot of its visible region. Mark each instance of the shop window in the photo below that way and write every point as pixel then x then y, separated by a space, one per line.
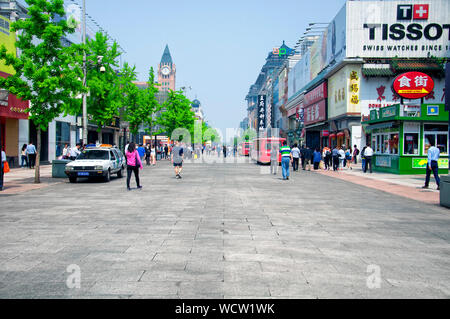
pixel 411 144
pixel 385 143
pixel 436 134
pixel 62 136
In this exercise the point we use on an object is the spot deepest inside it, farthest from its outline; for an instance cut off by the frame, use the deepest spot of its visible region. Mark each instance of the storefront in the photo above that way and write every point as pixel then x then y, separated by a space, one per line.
pixel 315 115
pixel 400 136
pixel 344 112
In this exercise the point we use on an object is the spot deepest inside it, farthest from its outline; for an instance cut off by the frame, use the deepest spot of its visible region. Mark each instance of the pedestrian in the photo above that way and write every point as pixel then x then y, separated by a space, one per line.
pixel 363 159
pixel 348 158
pixel 302 156
pixel 335 157
pixel 177 159
pixel 74 152
pixel 65 152
pixel 148 152
pixel 296 157
pixel 31 153
pixel 368 153
pixel 133 164
pixel 2 167
pixel 432 165
pixel 153 155
pixel 355 154
pixel 274 158
pixel 308 156
pixel 141 151
pixel 327 157
pixel 23 156
pixel 317 157
pixel 286 157
pixel 166 151
pixel 341 157
pixel 224 149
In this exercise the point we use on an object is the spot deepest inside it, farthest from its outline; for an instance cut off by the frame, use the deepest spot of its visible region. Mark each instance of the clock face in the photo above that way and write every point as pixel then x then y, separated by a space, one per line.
pixel 165 70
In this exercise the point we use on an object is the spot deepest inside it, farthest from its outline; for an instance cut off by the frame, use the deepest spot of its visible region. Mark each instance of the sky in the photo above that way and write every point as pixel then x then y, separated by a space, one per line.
pixel 218 47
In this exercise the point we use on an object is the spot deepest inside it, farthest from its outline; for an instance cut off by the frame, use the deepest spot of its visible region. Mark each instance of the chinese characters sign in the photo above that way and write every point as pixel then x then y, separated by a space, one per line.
pixel 413 85
pixel 261 112
pixel 354 87
pixel 315 112
pixel 315 95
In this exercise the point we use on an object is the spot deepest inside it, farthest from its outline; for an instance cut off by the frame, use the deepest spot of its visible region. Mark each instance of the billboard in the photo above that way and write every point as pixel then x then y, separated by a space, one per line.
pixel 8 39
pixel 406 29
pixel 344 91
pixel 261 112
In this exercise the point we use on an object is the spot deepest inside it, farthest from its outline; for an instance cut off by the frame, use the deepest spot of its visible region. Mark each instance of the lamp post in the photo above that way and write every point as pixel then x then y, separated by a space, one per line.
pixel 84 78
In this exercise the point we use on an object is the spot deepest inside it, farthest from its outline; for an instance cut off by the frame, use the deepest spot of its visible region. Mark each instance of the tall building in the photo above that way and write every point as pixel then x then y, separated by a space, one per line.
pixel 166 71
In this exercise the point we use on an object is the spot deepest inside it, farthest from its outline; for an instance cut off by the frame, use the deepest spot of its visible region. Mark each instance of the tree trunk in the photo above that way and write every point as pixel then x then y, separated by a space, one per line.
pixel 100 135
pixel 37 179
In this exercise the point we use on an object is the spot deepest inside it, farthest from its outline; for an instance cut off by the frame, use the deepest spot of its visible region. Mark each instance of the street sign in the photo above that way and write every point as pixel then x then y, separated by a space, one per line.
pixel 413 85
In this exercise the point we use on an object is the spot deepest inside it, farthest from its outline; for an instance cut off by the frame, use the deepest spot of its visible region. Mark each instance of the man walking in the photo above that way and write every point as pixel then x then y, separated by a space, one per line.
pixel 286 157
pixel 355 154
pixel 308 154
pixel 31 152
pixel 177 159
pixel 274 159
pixel 335 156
pixel 295 157
pixel 432 165
pixel 74 152
pixel 368 153
pixel 2 162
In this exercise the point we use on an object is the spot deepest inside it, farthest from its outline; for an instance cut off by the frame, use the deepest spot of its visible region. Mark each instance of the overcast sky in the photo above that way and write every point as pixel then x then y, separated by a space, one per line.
pixel 218 47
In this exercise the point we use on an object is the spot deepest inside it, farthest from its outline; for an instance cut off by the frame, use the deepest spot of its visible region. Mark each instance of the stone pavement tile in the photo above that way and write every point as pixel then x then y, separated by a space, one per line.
pixel 112 275
pixel 43 290
pixel 242 289
pixel 202 266
pixel 182 275
pixel 194 288
pixel 134 288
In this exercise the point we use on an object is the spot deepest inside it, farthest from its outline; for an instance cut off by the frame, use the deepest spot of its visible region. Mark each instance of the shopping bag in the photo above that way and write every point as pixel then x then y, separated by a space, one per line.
pixel 321 165
pixel 6 167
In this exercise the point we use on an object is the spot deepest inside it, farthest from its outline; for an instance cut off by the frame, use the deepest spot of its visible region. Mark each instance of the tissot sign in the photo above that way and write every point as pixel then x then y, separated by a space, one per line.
pixel 398 28
pixel 413 85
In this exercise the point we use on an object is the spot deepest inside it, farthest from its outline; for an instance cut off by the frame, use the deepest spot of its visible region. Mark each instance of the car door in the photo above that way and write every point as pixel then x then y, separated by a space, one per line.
pixel 113 161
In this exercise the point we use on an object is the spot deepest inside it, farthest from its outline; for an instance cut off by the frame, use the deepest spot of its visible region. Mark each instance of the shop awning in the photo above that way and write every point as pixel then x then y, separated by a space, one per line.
pixel 374 70
pixel 340 134
pixel 332 135
pixel 379 126
pixel 416 66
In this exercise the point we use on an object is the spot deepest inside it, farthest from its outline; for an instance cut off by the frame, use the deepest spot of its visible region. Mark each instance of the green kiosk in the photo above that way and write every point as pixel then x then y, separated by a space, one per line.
pixel 400 136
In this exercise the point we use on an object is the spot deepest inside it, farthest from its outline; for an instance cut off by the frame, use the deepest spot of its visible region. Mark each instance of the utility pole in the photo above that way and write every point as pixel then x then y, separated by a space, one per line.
pixel 85 132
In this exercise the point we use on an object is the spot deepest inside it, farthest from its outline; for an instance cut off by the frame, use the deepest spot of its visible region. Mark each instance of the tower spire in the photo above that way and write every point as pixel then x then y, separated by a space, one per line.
pixel 166 57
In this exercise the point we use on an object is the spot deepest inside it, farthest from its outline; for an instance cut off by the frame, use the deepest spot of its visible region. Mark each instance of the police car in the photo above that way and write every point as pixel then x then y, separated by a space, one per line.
pixel 97 161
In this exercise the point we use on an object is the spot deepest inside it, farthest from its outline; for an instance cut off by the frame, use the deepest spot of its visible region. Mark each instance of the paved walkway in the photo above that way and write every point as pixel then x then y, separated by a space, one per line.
pixel 20 180
pixel 224 230
pixel 409 186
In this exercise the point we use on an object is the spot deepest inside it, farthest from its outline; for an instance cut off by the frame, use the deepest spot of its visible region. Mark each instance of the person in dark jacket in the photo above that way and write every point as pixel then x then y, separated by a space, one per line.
pixel 335 156
pixel 302 156
pixel 308 158
pixel 317 157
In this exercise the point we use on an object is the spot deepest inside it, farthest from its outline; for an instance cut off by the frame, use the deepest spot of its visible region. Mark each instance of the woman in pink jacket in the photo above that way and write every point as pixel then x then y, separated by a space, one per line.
pixel 133 164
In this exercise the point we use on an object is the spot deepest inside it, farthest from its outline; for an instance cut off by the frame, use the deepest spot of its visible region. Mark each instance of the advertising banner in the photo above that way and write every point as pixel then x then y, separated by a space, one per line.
pixel 315 113
pixel 344 91
pixel 261 112
pixel 315 95
pixel 422 163
pixel 7 38
pixel 406 29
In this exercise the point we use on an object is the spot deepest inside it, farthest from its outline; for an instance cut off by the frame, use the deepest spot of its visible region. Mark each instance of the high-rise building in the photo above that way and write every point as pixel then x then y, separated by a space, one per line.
pixel 166 71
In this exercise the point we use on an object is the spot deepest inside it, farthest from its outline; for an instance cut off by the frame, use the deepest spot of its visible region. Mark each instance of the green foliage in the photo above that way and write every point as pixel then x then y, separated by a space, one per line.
pixel 103 100
pixel 210 134
pixel 47 73
pixel 176 113
pixel 149 103
pixel 131 97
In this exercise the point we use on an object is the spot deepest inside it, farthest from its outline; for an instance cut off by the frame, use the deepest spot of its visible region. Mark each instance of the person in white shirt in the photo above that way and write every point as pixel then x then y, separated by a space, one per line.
pixel 341 157
pixel 3 161
pixel 74 152
pixel 368 153
pixel 295 157
pixel 65 151
pixel 432 165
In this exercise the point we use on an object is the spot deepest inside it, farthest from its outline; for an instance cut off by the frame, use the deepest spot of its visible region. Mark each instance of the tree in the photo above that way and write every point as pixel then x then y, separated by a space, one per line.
pixel 149 103
pixel 177 114
pixel 131 96
pixel 103 101
pixel 48 74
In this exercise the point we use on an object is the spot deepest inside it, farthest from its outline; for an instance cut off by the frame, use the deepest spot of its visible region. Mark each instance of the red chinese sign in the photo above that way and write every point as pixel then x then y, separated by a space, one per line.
pixel 413 85
pixel 315 95
pixel 10 105
pixel 315 113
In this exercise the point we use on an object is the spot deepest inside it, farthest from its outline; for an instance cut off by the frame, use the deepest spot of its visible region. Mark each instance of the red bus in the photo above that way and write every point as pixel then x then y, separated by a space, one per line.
pixel 244 148
pixel 261 147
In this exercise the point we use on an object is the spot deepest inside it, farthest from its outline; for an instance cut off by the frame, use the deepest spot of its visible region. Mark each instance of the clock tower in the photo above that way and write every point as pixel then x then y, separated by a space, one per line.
pixel 166 71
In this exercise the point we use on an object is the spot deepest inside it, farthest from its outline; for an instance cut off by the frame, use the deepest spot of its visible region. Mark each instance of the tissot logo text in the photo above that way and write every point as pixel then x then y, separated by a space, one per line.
pixel 409 12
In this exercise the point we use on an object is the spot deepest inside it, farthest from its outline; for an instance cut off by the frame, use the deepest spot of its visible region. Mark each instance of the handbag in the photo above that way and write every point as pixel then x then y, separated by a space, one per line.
pixel 6 168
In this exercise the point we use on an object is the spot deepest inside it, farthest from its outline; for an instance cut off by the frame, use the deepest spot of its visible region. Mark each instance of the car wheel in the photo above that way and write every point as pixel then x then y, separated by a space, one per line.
pixel 108 176
pixel 73 179
pixel 120 172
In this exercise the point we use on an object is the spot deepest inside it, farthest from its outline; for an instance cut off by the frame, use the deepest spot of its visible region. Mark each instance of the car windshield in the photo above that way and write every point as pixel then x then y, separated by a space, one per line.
pixel 93 155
